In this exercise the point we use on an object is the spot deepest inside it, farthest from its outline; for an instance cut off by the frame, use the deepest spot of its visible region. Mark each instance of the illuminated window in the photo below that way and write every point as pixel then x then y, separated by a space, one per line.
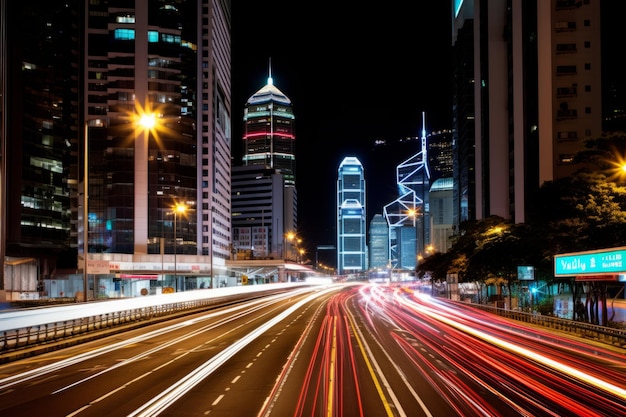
pixel 124 34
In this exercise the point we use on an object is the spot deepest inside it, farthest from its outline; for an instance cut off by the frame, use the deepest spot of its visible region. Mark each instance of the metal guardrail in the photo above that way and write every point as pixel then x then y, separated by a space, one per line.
pixel 21 338
pixel 608 335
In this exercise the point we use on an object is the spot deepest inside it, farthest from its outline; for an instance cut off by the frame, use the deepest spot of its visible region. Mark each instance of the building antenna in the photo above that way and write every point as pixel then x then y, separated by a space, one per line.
pixel 423 133
pixel 270 81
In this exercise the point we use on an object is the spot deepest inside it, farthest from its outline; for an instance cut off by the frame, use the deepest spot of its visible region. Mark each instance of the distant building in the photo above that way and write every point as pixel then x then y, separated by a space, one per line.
pixel 257 210
pixel 268 154
pixel 408 215
pixel 351 218
pixel 440 159
pixel 406 247
pixel 269 132
pixel 378 247
pixel 442 226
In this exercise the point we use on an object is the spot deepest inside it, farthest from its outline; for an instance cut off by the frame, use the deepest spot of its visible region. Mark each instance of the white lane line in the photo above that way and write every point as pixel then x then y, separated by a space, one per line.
pixel 171 394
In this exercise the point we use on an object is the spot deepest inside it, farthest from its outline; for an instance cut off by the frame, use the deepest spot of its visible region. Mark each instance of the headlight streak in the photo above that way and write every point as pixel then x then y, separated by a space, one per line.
pixel 177 340
pixel 509 327
pixel 563 368
pixel 535 371
pixel 366 351
pixel 282 378
pixel 325 389
pixel 610 405
pixel 497 371
pixel 53 367
pixel 451 390
pixel 166 398
pixel 459 389
pixel 23 318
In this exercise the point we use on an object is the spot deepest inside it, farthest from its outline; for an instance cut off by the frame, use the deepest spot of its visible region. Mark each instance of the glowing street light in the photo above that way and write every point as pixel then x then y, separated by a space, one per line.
pixel 302 252
pixel 178 209
pixel 85 208
pixel 289 237
pixel 147 121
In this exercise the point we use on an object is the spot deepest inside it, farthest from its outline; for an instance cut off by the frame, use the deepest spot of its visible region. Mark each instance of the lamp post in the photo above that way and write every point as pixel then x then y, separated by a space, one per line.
pixel 85 209
pixel 290 237
pixel 179 208
pixel 412 213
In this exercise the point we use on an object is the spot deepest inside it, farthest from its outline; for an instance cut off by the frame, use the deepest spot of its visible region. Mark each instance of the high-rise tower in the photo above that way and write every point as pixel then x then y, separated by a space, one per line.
pixel 269 144
pixel 409 215
pixel 90 179
pixel 528 94
pixel 39 80
pixel 378 243
pixel 351 217
pixel 171 63
pixel 269 137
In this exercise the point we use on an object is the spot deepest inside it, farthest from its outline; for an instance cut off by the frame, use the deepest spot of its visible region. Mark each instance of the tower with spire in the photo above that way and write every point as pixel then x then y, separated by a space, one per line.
pixel 408 215
pixel 264 198
pixel 269 137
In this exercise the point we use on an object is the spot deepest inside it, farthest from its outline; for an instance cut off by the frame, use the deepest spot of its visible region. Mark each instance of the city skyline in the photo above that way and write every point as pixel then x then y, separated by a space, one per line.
pixel 351 81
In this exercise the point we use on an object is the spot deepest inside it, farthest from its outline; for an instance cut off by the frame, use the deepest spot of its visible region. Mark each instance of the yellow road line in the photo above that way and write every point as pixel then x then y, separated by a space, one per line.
pixel 381 394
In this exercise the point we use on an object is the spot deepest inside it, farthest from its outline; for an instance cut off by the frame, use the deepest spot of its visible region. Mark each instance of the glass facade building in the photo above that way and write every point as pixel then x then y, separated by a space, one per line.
pixel 268 144
pixel 378 243
pixel 351 218
pixel 269 137
pixel 141 60
pixel 85 181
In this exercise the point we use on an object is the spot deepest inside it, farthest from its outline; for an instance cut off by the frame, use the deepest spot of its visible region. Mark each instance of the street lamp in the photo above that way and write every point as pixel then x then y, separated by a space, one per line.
pixel 85 208
pixel 290 237
pixel 179 208
pixel 302 252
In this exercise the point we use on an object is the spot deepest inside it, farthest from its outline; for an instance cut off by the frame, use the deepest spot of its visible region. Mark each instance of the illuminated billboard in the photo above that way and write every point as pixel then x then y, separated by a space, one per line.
pixel 525 273
pixel 598 262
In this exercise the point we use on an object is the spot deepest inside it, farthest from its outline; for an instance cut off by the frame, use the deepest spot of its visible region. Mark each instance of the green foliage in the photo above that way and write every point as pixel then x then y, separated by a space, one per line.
pixel 585 211
pixel 545 306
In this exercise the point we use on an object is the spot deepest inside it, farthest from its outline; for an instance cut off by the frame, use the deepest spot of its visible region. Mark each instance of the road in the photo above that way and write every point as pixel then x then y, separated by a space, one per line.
pixel 361 350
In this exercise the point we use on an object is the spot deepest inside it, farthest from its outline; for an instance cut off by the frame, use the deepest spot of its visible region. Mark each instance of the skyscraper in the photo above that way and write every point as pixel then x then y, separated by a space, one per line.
pixel 528 93
pixel 378 243
pixel 39 80
pixel 351 218
pixel 269 143
pixel 108 64
pixel 409 214
pixel 269 137
pixel 161 60
pixel 257 211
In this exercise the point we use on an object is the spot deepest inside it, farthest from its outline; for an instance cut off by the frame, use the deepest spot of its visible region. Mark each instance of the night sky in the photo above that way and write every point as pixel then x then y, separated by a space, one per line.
pixel 355 72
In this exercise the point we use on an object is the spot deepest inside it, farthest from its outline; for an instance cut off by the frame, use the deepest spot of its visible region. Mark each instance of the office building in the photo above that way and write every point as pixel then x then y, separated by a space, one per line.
pixel 39 78
pixel 351 218
pixel 257 213
pixel 441 217
pixel 408 215
pixel 108 64
pixel 269 150
pixel 440 159
pixel 537 96
pixel 463 117
pixel 378 243
pixel 269 137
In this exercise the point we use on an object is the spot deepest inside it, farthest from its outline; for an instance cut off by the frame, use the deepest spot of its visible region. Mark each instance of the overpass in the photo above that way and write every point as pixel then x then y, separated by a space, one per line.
pixel 263 271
